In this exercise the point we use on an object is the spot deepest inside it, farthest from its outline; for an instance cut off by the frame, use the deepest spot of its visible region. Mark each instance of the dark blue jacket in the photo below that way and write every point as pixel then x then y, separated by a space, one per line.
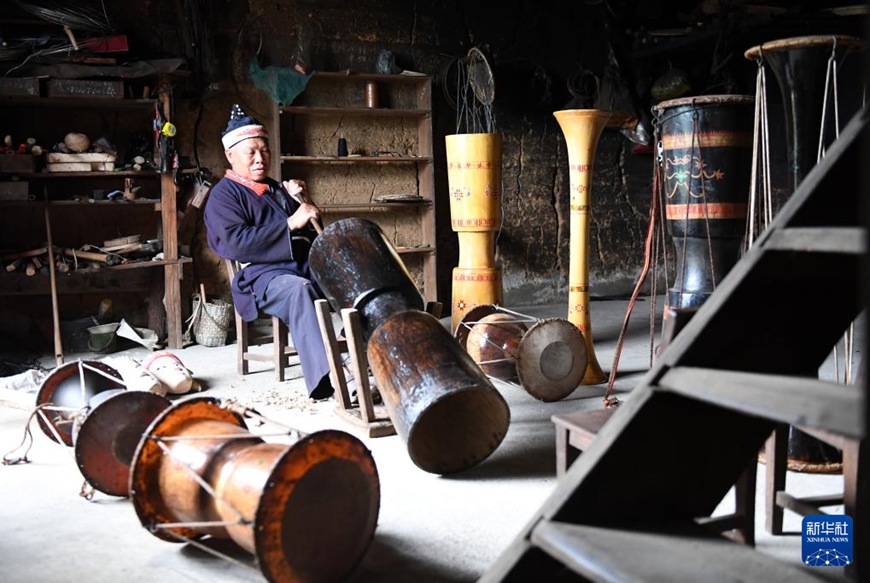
pixel 252 228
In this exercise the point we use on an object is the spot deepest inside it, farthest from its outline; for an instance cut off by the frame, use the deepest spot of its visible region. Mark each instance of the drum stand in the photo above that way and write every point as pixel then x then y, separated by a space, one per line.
pixel 363 413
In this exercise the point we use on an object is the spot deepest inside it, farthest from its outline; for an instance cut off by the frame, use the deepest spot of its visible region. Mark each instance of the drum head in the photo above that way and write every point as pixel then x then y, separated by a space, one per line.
pixel 463 329
pixel 145 488
pixel 71 386
pixel 318 510
pixel 108 437
pixel 551 360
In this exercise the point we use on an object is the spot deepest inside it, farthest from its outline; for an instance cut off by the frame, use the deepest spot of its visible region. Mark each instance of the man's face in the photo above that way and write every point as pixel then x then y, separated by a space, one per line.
pixel 250 158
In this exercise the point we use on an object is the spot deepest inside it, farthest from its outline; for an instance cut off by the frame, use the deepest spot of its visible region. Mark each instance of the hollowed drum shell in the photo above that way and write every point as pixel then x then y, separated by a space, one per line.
pixel 493 341
pixel 707 149
pixel 309 509
pixel 443 406
pixel 107 439
pixel 357 267
pixel 72 385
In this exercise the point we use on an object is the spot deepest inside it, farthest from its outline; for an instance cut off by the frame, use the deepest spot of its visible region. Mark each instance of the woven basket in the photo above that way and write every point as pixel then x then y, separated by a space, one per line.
pixel 210 320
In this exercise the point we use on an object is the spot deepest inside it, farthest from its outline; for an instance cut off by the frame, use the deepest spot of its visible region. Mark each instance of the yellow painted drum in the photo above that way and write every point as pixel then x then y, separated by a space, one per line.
pixel 474 287
pixel 474 178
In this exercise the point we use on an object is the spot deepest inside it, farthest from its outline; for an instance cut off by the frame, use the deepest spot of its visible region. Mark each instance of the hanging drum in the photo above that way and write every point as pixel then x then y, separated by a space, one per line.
pixel 442 404
pixel 64 394
pixel 802 67
pixel 706 162
pixel 547 357
pixel 107 436
pixel 474 164
pixel 306 511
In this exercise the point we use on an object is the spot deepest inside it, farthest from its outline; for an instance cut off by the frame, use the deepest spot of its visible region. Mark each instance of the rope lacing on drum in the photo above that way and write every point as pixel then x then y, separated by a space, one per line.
pixel 831 92
pixel 241 520
pixel 207 549
pixel 27 439
pixel 520 319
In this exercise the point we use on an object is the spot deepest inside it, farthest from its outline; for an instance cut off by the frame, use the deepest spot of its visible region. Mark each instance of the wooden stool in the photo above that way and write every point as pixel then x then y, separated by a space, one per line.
pixel 264 330
pixel 575 432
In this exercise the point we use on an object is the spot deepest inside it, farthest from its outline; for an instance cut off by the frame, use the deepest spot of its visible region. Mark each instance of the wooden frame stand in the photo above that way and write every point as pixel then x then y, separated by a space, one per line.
pixel 363 413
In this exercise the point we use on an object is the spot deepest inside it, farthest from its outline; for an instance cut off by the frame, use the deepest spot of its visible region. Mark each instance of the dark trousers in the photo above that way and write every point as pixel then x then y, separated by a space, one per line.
pixel 291 298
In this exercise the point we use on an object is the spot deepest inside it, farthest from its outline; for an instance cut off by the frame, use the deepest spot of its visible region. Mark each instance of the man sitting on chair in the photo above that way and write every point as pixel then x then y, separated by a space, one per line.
pixel 266 226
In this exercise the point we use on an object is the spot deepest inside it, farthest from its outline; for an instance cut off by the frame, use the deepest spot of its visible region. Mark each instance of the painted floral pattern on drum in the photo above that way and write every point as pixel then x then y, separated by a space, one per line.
pixel 460 193
pixel 472 165
pixel 687 170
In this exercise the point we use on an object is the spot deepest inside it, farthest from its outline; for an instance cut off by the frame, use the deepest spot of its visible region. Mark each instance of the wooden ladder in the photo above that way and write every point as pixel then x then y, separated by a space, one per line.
pixel 629 508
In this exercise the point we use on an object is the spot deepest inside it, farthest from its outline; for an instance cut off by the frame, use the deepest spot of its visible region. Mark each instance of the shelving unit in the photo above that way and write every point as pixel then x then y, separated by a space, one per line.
pixel 390 153
pixel 76 219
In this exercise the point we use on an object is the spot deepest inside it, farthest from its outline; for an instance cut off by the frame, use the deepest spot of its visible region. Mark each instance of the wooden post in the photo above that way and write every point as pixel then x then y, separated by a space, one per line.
pixel 55 316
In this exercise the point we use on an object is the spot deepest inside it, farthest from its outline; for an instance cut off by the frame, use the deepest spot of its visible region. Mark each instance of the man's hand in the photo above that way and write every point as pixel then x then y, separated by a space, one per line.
pixel 307 212
pixel 298 190
pixel 304 214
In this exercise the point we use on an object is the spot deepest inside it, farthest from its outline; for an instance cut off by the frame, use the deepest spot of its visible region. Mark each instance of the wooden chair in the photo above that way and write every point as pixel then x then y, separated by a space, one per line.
pixel 264 330
pixel 577 430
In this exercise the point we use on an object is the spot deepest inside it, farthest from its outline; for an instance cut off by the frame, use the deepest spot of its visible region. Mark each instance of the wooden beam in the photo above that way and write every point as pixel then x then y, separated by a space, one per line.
pixel 793 400
pixel 849 240
pixel 676 553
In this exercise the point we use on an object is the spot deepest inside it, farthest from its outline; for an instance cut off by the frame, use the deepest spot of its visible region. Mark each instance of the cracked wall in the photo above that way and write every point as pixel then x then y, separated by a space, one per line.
pixel 534 47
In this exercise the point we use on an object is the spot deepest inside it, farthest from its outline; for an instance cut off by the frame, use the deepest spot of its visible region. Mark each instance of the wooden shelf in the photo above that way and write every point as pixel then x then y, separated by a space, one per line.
pixel 356 159
pixel 74 219
pixel 332 105
pixel 106 102
pixel 141 264
pixel 118 174
pixel 90 202
pixel 414 250
pixel 377 77
pixel 375 206
pixel 130 277
pixel 361 111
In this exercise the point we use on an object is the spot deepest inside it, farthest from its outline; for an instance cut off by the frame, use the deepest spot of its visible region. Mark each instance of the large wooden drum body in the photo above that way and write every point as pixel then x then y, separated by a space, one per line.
pixel 442 405
pixel 706 159
pixel 474 164
pixel 307 511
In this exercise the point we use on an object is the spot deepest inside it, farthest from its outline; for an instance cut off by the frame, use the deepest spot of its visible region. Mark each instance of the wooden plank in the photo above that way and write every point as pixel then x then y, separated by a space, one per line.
pixel 81 167
pixel 794 400
pixel 806 506
pixel 59 157
pixel 679 553
pixel 851 240
pixel 173 270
